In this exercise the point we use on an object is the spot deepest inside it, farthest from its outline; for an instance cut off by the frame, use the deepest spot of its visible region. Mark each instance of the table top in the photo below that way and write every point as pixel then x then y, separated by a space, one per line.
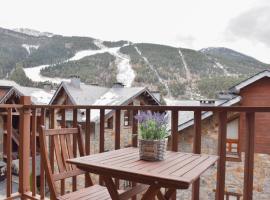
pixel 178 170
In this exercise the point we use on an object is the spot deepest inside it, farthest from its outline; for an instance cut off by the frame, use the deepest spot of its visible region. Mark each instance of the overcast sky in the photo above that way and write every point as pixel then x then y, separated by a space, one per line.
pixel 243 25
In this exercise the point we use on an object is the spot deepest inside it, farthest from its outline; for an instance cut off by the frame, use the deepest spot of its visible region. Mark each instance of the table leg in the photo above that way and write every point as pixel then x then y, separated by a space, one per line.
pixel 160 196
pixel 151 192
pixel 112 189
pixel 170 193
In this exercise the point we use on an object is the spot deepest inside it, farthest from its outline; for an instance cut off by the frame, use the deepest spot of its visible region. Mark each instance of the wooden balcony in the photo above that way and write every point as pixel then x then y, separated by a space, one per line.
pixel 32 116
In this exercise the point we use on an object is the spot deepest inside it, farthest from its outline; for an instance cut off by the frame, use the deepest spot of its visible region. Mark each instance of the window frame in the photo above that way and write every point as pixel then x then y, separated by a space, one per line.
pixel 109 123
pixel 230 156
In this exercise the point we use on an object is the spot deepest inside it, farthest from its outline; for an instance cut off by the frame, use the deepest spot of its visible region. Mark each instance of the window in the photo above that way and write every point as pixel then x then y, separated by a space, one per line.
pixel 232 196
pixel 232 142
pixel 109 123
pixel 127 118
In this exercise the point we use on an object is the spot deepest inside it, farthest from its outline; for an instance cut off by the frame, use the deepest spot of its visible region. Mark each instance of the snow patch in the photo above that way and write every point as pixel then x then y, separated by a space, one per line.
pixel 42 96
pixel 33 32
pixel 218 65
pixel 188 74
pixel 34 74
pixel 29 48
pixel 125 73
pixel 108 98
pixel 81 54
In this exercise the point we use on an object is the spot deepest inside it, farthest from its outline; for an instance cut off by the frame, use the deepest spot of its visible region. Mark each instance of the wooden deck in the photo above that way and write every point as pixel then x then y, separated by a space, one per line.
pixel 32 116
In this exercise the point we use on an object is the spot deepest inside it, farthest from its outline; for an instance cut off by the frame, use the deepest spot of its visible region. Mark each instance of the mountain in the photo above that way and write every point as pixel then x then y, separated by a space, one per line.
pixel 176 72
pixel 32 32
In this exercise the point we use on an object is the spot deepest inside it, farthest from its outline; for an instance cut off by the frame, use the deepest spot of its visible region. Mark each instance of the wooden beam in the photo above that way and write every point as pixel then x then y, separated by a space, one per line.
pixel 34 151
pixel 134 129
pixel 197 150
pixel 75 125
pixel 24 150
pixel 221 167
pixel 117 128
pixel 249 155
pixel 101 134
pixel 101 137
pixel 174 130
pixel 87 141
pixel 87 131
pixel 174 137
pixel 9 152
pixel 42 173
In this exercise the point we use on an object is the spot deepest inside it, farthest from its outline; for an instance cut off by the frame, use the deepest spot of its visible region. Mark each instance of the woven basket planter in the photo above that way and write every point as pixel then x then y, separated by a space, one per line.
pixel 152 150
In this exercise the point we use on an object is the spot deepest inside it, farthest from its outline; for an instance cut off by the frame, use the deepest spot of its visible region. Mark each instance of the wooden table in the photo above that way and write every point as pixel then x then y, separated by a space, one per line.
pixel 178 171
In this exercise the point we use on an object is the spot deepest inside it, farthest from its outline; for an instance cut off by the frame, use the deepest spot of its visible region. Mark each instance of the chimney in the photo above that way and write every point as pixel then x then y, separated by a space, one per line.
pixel 75 81
pixel 156 94
pixel 225 95
pixel 207 102
pixel 118 85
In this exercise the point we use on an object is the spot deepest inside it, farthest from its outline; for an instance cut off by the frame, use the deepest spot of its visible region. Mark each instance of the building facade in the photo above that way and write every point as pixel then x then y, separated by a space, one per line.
pixel 251 92
pixel 76 93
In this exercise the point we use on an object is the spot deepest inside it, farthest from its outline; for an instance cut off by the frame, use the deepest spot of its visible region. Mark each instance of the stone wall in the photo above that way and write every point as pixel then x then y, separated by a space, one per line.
pixel 234 170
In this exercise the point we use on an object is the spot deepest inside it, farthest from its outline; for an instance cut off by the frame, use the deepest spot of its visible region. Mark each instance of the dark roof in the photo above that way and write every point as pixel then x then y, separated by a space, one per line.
pixel 38 95
pixel 96 95
pixel 236 88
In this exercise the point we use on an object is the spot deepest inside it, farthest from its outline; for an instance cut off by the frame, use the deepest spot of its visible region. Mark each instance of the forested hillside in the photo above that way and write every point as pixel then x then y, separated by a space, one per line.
pixel 176 72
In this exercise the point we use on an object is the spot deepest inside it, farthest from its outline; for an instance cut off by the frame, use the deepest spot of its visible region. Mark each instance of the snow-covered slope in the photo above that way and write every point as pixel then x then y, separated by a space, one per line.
pixel 32 32
pixel 125 73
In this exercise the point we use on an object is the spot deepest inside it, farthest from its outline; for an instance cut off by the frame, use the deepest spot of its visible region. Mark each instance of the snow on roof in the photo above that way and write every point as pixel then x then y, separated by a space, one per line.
pixel 85 95
pixel 236 89
pixel 186 118
pixel 38 95
pixel 115 96
pixel 97 95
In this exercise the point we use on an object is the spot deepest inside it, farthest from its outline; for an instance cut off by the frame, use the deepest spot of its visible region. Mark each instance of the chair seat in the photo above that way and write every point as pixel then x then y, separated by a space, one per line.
pixel 95 192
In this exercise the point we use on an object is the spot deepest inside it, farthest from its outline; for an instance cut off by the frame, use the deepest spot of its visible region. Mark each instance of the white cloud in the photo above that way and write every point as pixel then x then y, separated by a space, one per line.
pixel 191 23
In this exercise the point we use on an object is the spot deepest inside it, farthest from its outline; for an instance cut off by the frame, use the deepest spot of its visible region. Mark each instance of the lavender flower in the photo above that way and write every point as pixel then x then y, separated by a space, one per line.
pixel 153 126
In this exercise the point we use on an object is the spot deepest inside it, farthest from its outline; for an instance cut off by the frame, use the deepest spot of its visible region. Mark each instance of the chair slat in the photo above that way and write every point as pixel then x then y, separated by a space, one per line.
pixel 68 174
pixel 64 148
pixel 58 154
pixel 62 131
pixel 69 148
pixel 75 123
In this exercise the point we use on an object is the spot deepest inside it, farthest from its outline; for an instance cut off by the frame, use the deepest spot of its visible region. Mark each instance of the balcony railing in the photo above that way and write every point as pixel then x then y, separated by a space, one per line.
pixel 32 116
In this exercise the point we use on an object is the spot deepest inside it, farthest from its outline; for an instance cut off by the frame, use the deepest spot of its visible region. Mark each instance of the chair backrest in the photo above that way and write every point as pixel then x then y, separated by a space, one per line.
pixel 64 143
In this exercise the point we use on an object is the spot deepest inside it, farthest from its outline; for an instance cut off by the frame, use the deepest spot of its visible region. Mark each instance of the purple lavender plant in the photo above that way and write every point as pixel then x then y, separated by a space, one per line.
pixel 153 126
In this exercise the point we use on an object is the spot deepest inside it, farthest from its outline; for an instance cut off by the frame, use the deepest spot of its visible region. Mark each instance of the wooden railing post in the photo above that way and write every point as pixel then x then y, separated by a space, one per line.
pixel 174 129
pixel 9 152
pixel 134 129
pixel 197 150
pixel 174 137
pixel 221 167
pixel 24 147
pixel 249 155
pixel 117 128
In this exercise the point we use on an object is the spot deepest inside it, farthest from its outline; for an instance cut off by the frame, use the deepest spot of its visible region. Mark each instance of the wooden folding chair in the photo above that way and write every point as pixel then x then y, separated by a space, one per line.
pixel 65 142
